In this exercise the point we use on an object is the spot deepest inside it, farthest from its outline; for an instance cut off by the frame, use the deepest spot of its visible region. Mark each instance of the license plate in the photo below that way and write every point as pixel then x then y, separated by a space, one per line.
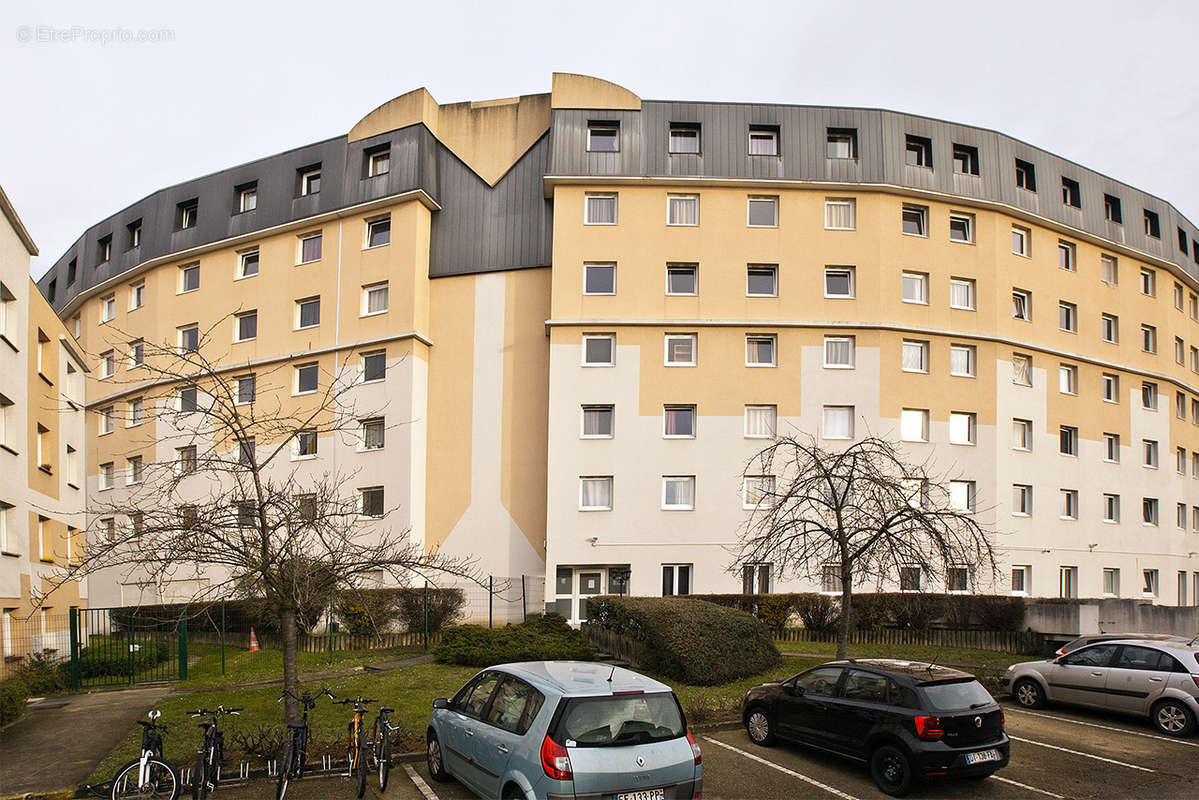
pixel 981 756
pixel 648 794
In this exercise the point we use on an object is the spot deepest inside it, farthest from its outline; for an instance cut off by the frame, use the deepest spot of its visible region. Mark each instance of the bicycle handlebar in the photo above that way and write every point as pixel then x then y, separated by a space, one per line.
pixel 205 712
pixel 154 726
pixel 357 701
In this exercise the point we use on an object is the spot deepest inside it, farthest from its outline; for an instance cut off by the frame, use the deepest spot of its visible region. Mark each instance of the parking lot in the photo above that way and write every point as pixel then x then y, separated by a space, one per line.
pixel 1056 753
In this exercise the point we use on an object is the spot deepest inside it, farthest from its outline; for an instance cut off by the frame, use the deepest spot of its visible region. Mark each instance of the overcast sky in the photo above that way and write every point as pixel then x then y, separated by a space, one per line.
pixel 88 127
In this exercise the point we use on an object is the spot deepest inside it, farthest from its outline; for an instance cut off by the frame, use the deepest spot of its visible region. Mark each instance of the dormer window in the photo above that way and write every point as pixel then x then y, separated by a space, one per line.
pixel 841 143
pixel 684 138
pixel 104 249
pixel 247 197
pixel 918 151
pixel 603 137
pixel 763 140
pixel 135 234
pixel 1111 209
pixel 378 161
pixel 187 214
pixel 309 180
pixel 965 159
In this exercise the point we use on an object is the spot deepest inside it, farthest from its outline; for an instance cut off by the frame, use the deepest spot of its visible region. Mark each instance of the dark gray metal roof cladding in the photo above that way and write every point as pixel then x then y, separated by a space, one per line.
pixel 481 228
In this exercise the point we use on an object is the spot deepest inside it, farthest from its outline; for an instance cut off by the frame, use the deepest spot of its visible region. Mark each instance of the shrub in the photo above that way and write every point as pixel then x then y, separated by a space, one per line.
pixel 112 657
pixel 688 639
pixel 545 638
pixel 998 613
pixel 43 674
pixel 367 612
pixel 13 694
pixel 817 612
pixel 445 608
pixel 917 611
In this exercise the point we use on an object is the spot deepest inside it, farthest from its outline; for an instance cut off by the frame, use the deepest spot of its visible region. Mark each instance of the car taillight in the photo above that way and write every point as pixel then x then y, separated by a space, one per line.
pixel 1195 678
pixel 1002 720
pixel 694 749
pixel 555 760
pixel 929 727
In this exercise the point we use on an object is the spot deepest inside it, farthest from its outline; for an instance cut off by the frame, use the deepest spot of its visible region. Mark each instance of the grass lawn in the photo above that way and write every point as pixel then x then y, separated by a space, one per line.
pixel 989 660
pixel 242 666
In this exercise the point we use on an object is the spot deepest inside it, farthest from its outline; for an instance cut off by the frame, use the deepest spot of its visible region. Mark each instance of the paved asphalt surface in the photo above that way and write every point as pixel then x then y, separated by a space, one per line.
pixel 1056 753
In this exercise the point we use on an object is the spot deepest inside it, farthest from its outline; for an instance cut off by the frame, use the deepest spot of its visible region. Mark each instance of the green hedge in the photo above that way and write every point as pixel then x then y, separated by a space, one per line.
pixel 371 611
pixel 13 694
pixel 101 659
pixel 547 638
pixel 688 639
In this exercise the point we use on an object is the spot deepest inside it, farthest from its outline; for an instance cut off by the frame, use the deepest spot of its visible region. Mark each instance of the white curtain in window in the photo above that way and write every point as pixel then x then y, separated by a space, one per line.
pixel 596 492
pixel 961 428
pixel 839 214
pixel 838 422
pixel 913 425
pixel 913 356
pixel 961 361
pixel 761 350
pixel 760 420
pixel 601 210
pixel 376 300
pixel 961 495
pixel 684 211
pixel 961 294
pixel 678 491
pixel 597 422
pixel 838 351
pixel 1022 370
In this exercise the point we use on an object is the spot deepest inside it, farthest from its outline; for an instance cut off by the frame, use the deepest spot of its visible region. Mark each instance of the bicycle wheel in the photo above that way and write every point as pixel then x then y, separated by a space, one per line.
pixel 284 772
pixel 200 778
pixel 161 781
pixel 385 760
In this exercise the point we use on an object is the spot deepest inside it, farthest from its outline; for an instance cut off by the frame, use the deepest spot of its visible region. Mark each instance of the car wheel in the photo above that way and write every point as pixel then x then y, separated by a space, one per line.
pixel 757 725
pixel 892 770
pixel 514 793
pixel 1173 718
pixel 1029 693
pixel 435 759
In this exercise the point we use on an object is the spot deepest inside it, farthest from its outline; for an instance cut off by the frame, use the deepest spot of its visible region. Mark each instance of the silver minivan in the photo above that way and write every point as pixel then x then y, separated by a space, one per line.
pixel 1154 679
pixel 546 730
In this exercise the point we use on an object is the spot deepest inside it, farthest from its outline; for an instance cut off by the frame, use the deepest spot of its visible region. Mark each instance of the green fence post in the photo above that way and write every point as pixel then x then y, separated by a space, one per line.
pixel 74 617
pixel 426 615
pixel 329 628
pixel 183 646
pixel 222 637
pixel 490 597
pixel 131 643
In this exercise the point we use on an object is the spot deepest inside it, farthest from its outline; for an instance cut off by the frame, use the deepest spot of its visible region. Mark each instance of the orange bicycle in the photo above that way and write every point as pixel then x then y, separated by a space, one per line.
pixel 358 746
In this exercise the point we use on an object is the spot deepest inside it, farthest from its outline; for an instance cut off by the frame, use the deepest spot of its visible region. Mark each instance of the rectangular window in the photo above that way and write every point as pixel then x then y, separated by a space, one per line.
pixel 1071 193
pixel 247 263
pixel 1148 282
pixel 600 209
pixel 1111 209
pixel 1068 440
pixel 133 235
pixel 1180 296
pixel 108 364
pixel 309 179
pixel 108 308
pixel 760 351
pixel 378 161
pixel 1021 241
pixel 680 350
pixel 187 214
pixel 830 579
pixel 1022 499
pixel 841 143
pixel 682 279
pixel 1110 386
pixel 185 461
pixel 378 232
pixel 757 491
pixel 1067 257
pixel 1111 508
pixel 915 220
pixel 137 295
pixel 307 378
pixel 957 579
pixel 684 138
pixel 247 326
pixel 962 495
pixel 247 197
pixel 1148 339
pixel 961 293
pixel 1111 581
pixel 678 492
pixel 918 151
pixel 913 424
pixel 1068 582
pixel 760 421
pixel 595 493
pixel 1067 379
pixel 1026 175
pixel 599 279
pixel 598 422
pixel 1194 359
pixel 1149 510
pixel 840 214
pixel 1109 328
pixel 762 212
pixel 682 209
pixel 839 352
pixel 189 338
pixel 374 366
pixel 1149 396
pixel 763 140
pixel 838 422
pixel 914 356
pixel 135 471
pixel 1193 306
pixel 965 159
pixel 308 313
pixel 762 280
pixel 189 278
pixel 756 578
pixel 107 417
pixel 1067 317
pixel 310 248
pixel 1021 369
pixel 246 450
pixel 375 299
pixel 961 228
pixel 962 360
pixel 676 579
pixel 1022 305
pixel 1149 447
pixel 915 287
pixel 304 444
pixel 372 502
pixel 136 412
pixel 603 137
pixel 599 350
pixel 963 427
pixel 188 399
pixel 1180 459
pixel 1021 579
pixel 247 389
pixel 839 282
pixel 678 422
pixel 1180 405
pixel 1109 270
pixel 373 434
pixel 106 476
pixel 1153 226
pixel 1182 241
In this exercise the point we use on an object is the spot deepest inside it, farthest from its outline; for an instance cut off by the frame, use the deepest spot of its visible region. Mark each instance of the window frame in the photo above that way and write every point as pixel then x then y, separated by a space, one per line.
pixel 598 266
pixel 370 289
pixel 607 408
pixel 611 483
pixel 750 200
pixel 971 286
pixel 971 360
pixel 603 126
pixel 693 340
pixel 677 198
pixel 1021 239
pixel 687 480
pixel 588 197
pixel 682 268
pixel 611 362
pixel 762 269
pixel 966 224
pixel 851 275
pixel 922 278
pixel 772 338
pixel 844 202
pixel 851 340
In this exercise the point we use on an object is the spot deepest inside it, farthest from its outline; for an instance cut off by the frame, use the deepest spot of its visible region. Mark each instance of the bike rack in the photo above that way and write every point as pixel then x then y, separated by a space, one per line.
pixel 327 763
pixel 272 768
pixel 243 770
pixel 185 776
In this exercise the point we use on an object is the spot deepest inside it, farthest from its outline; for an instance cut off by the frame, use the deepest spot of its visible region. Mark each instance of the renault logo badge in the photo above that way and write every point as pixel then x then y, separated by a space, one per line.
pixel 978 722
pixel 640 761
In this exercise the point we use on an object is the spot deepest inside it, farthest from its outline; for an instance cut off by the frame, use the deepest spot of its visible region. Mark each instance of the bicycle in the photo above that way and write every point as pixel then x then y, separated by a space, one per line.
pixel 149 776
pixel 212 751
pixel 357 753
pixel 382 745
pixel 295 752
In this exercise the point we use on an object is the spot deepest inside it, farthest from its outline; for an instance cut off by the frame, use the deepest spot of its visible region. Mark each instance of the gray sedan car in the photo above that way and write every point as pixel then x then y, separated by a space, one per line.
pixel 546 730
pixel 1154 679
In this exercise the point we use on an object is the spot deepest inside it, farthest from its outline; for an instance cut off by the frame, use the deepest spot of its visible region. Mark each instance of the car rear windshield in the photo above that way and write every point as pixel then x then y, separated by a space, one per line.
pixel 620 720
pixel 957 695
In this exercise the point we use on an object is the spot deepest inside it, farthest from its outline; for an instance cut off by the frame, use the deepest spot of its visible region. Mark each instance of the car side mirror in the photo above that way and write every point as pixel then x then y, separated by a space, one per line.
pixel 441 702
pixel 794 690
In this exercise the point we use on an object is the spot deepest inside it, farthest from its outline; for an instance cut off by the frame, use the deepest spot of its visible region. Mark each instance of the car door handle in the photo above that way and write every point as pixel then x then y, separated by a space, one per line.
pixel 468 731
pixel 501 748
pixel 1156 680
pixel 1097 674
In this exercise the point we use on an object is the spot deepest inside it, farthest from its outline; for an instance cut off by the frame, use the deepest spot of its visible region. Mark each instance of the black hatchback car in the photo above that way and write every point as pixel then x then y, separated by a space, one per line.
pixel 907 720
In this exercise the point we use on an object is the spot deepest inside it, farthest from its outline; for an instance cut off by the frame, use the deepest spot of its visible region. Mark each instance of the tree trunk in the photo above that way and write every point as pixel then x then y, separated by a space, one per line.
pixel 846 615
pixel 287 624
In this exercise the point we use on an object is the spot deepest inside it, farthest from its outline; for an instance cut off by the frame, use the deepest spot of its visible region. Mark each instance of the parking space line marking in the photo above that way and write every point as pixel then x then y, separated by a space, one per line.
pixel 783 769
pixel 1104 727
pixel 1026 786
pixel 1084 755
pixel 420 783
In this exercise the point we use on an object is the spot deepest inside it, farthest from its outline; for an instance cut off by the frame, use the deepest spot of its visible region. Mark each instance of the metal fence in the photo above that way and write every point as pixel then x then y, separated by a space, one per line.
pixel 1000 641
pixel 44 635
pixel 116 646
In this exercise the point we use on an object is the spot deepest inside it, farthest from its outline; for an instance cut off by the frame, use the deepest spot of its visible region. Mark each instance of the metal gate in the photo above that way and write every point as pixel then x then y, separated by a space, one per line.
pixel 124 646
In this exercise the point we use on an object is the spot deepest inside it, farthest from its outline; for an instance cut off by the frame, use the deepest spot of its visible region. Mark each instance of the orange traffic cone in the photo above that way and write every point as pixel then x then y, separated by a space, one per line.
pixel 253 642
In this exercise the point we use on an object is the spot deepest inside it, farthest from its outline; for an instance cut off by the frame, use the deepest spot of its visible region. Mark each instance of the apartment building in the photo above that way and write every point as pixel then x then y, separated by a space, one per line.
pixel 593 309
pixel 42 447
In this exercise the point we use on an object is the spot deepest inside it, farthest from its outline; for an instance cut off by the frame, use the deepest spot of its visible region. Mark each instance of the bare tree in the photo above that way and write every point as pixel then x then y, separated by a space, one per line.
pixel 862 513
pixel 228 501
